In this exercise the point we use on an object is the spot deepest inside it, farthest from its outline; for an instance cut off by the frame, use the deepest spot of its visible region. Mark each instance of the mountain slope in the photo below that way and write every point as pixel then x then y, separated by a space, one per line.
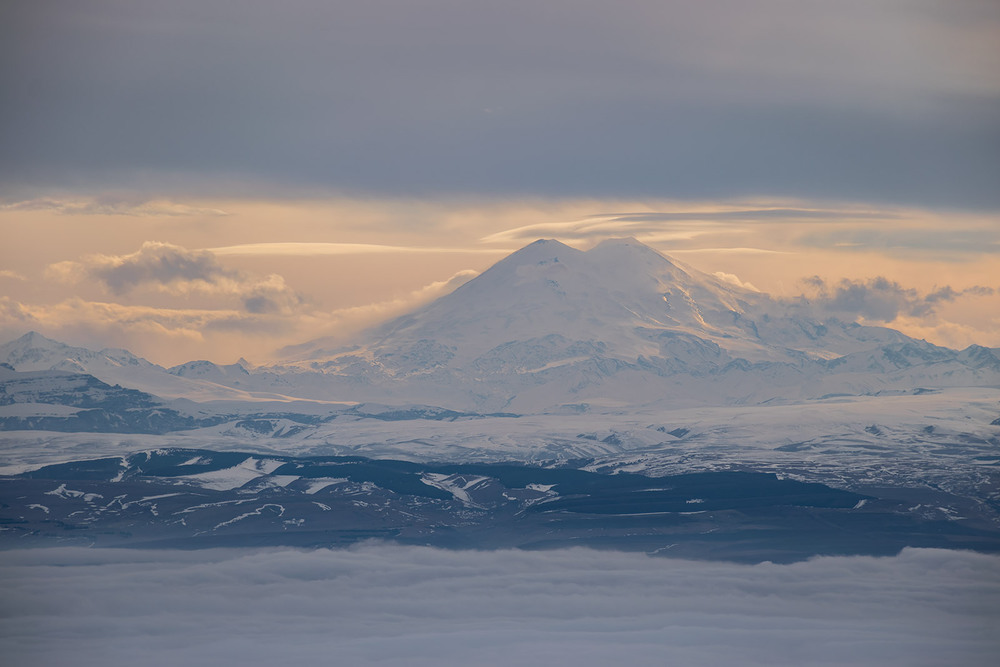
pixel 619 293
pixel 35 352
pixel 552 328
pixel 621 324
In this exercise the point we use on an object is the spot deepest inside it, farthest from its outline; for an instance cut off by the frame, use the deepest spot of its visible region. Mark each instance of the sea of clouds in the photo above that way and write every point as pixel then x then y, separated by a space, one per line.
pixel 378 604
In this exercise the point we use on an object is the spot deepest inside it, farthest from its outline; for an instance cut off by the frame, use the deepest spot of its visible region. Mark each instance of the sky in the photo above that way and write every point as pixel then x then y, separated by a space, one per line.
pixel 394 605
pixel 216 179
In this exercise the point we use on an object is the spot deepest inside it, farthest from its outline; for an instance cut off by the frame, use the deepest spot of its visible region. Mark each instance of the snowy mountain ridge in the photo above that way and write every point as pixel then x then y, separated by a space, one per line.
pixel 551 327
pixel 621 324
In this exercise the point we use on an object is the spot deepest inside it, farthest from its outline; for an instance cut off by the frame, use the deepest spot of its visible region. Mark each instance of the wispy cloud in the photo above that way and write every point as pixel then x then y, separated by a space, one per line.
pixel 267 318
pixel 109 318
pixel 110 206
pixel 308 249
pixel 338 325
pixel 735 280
pixel 693 221
pixel 728 251
pixel 945 237
pixel 12 275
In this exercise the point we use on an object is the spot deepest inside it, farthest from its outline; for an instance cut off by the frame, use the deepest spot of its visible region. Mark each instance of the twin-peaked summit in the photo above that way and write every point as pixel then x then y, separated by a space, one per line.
pixel 550 326
pixel 618 294
pixel 620 324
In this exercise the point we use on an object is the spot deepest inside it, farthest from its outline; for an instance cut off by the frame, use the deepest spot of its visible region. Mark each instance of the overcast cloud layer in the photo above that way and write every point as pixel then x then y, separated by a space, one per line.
pixel 889 100
pixel 391 605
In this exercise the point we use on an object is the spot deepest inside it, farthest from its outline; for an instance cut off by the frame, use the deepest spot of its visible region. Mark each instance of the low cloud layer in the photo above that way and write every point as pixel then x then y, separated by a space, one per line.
pixel 334 249
pixel 391 605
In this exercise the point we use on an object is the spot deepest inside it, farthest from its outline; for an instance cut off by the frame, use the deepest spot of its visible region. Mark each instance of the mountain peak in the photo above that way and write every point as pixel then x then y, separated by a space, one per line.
pixel 34 341
pixel 626 241
pixel 619 295
pixel 629 249
pixel 542 250
pixel 35 338
pixel 548 243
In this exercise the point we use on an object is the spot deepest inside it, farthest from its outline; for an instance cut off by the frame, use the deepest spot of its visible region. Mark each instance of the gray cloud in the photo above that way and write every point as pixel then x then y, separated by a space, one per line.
pixel 879 298
pixel 417 606
pixel 157 263
pixel 180 271
pixel 885 100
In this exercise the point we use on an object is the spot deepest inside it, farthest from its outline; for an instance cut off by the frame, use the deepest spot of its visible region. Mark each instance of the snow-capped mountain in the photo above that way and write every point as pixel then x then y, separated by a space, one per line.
pixel 35 352
pixel 551 327
pixel 587 367
pixel 622 324
pixel 206 370
pixel 620 295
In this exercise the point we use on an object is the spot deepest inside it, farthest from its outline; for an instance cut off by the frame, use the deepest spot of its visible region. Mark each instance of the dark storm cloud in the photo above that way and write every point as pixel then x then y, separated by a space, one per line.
pixel 886 100
pixel 416 606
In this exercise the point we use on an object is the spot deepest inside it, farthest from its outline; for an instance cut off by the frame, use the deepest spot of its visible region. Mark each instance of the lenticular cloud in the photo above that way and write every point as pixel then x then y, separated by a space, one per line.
pixel 392 605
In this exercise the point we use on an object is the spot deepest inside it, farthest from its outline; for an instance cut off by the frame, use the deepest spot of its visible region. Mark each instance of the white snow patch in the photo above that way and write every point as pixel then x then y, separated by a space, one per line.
pixel 123 466
pixel 37 410
pixel 63 492
pixel 228 479
pixel 36 506
pixel 256 512
pixel 197 460
pixel 162 495
pixel 317 484
pixel 544 488
pixel 553 364
pixel 456 485
pixel 281 480
pixel 218 504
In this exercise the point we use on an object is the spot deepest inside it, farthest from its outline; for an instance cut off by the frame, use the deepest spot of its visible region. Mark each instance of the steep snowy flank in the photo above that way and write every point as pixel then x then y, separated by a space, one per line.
pixel 619 293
